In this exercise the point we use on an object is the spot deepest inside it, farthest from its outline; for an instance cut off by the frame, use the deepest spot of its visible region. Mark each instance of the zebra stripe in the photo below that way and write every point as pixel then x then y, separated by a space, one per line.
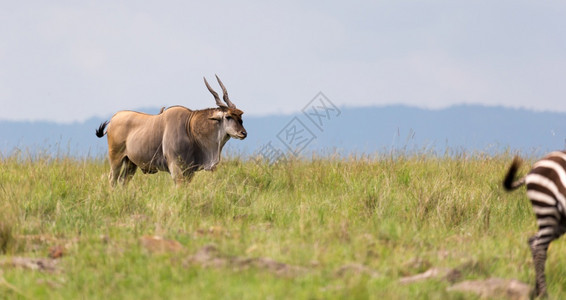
pixel 548 221
pixel 557 154
pixel 541 197
pixel 549 184
pixel 543 212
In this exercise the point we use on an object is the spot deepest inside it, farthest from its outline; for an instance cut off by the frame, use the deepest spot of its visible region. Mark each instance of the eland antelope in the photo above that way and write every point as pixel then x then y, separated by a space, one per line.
pixel 177 140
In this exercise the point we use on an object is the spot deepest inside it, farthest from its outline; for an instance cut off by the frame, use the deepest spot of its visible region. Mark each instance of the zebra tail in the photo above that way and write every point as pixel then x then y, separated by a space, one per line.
pixel 509 183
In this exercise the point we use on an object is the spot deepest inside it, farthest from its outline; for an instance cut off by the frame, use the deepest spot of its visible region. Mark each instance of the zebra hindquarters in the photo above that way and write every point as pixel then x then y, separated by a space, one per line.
pixel 546 191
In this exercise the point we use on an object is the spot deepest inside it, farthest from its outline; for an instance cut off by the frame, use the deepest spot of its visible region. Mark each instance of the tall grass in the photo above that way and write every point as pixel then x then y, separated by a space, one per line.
pixel 397 215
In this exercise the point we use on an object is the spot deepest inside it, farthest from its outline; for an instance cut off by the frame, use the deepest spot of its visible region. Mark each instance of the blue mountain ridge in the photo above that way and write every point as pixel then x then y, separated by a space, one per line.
pixel 363 130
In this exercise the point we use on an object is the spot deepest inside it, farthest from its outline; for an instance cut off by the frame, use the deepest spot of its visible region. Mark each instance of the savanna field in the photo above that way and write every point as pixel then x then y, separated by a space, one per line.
pixel 316 228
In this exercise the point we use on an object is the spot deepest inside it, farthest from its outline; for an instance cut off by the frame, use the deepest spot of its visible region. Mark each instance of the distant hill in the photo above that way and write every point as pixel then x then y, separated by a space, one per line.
pixel 367 130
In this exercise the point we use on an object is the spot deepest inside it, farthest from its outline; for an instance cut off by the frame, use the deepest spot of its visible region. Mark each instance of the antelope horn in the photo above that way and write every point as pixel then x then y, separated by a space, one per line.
pixel 225 92
pixel 218 102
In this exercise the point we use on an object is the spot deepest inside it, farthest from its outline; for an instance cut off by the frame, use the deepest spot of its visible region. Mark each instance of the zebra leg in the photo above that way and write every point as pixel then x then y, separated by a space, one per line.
pixel 539 258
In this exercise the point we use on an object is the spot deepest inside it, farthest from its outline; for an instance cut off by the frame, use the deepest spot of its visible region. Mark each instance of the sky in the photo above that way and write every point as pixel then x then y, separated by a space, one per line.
pixel 67 61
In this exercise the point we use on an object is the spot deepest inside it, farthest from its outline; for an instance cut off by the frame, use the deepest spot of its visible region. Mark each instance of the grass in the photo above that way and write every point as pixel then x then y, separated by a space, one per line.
pixel 396 216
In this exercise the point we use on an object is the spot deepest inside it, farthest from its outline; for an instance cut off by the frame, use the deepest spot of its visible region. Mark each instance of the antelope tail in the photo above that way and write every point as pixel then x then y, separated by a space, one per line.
pixel 100 131
pixel 509 183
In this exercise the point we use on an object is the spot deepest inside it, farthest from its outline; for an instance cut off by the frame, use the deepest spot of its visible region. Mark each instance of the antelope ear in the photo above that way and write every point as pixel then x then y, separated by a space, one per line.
pixel 217 115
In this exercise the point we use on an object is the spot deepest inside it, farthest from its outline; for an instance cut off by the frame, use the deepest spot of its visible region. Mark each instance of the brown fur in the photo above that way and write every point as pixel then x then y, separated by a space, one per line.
pixel 177 140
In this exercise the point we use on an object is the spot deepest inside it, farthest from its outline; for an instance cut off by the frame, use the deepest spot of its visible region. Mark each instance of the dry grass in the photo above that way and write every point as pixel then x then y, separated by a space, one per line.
pixel 394 216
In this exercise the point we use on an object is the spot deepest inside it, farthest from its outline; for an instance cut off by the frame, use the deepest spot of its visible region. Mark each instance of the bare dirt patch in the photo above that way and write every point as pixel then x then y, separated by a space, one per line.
pixel 209 256
pixel 158 244
pixel 489 288
pixel 495 288
pixel 40 264
pixel 450 275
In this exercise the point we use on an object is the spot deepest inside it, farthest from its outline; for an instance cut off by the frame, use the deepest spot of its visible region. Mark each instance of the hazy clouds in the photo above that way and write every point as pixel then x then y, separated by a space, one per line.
pixel 68 60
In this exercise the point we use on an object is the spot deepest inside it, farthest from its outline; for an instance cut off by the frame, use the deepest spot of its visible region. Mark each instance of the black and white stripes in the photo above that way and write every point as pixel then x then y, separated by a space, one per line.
pixel 546 188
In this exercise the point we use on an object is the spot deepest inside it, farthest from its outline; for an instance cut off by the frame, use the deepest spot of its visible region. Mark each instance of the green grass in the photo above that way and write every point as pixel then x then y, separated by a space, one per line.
pixel 398 216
